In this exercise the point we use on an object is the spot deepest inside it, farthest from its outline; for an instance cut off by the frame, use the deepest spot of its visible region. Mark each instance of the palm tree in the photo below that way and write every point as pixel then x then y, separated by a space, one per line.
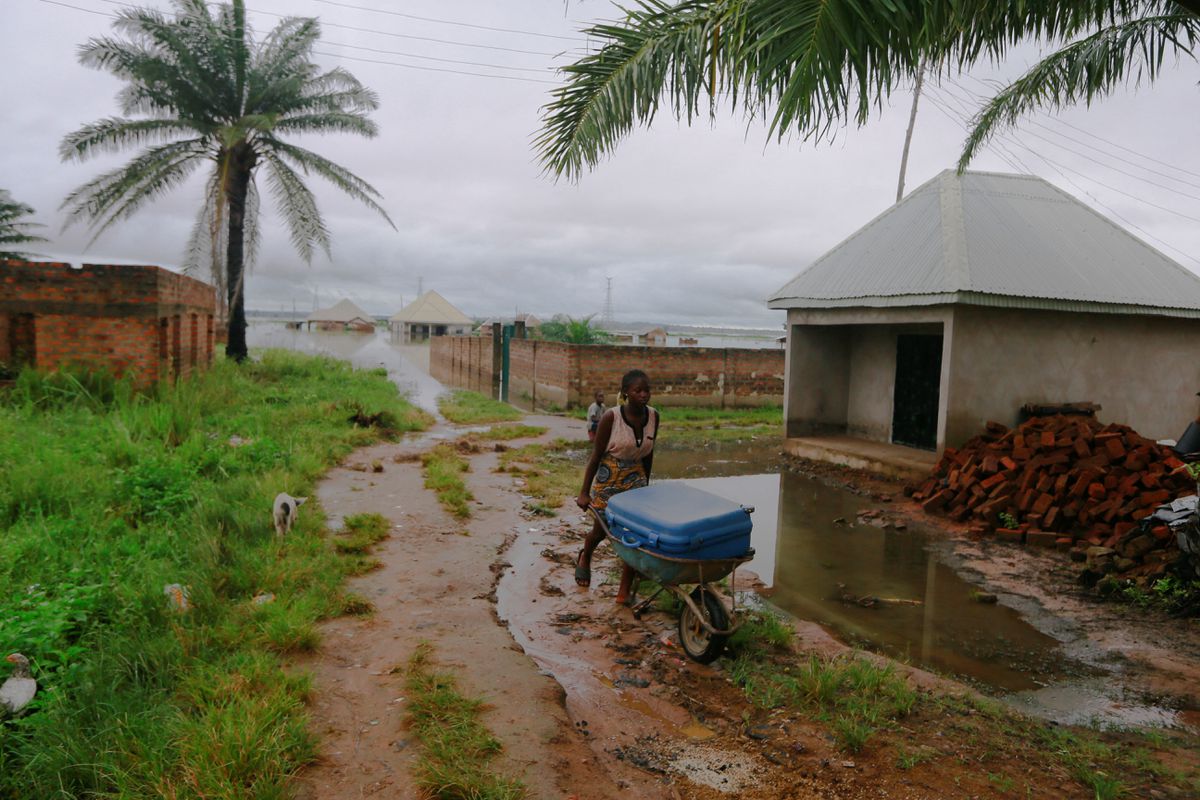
pixel 13 229
pixel 574 331
pixel 811 65
pixel 201 91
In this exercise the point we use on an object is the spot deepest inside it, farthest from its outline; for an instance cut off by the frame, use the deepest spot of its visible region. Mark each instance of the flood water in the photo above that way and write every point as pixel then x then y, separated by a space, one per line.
pixel 407 365
pixel 819 558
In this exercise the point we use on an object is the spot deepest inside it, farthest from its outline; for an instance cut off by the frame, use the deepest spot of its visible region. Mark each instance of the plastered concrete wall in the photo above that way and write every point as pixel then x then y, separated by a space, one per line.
pixel 1144 371
pixel 872 382
pixel 842 368
pixel 818 379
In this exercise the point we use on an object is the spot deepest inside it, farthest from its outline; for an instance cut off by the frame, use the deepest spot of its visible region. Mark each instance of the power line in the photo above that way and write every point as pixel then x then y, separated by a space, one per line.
pixel 366 60
pixel 1057 167
pixel 434 69
pixel 79 8
pixel 1084 131
pixel 541 70
pixel 1116 169
pixel 449 22
pixel 357 29
pixel 411 36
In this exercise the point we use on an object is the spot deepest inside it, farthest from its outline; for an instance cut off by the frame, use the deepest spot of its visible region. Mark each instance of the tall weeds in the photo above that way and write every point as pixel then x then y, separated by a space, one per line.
pixel 107 495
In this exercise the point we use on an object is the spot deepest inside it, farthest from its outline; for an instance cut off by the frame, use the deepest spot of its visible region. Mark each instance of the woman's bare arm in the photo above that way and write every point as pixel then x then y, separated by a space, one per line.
pixel 603 432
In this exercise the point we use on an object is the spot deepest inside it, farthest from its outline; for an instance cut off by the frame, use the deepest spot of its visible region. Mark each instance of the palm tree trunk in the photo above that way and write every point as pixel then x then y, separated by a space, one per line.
pixel 240 169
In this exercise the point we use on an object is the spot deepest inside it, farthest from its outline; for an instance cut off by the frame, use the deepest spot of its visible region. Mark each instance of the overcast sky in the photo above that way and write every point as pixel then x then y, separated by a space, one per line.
pixel 693 225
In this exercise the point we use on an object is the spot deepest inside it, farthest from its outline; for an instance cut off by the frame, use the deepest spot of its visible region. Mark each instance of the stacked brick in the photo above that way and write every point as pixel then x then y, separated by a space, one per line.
pixel 1064 481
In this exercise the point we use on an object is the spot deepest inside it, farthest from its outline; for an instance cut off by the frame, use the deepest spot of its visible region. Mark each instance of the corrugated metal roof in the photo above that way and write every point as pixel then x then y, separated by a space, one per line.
pixel 994 239
pixel 341 311
pixel 431 308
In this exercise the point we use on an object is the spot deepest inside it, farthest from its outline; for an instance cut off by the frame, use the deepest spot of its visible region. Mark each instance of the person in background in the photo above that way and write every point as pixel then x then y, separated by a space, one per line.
pixel 622 456
pixel 595 412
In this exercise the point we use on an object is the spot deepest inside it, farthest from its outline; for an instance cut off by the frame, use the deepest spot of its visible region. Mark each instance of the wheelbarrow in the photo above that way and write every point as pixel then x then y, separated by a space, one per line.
pixel 708 617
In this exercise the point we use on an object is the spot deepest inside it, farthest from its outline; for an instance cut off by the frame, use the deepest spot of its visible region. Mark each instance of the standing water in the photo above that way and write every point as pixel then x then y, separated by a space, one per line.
pixel 407 365
pixel 883 589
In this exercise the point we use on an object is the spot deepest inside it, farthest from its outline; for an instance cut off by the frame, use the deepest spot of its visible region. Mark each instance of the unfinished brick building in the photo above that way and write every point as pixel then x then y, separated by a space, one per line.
pixel 139 320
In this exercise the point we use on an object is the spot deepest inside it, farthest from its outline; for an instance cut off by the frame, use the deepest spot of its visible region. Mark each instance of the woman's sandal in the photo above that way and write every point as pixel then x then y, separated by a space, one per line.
pixel 583 575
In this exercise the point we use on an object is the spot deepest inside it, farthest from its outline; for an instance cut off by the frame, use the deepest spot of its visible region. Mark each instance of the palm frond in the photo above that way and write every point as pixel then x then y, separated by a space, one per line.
pixel 117 194
pixel 336 174
pixel 658 49
pixel 115 133
pixel 1092 67
pixel 298 207
pixel 809 66
pixel 14 229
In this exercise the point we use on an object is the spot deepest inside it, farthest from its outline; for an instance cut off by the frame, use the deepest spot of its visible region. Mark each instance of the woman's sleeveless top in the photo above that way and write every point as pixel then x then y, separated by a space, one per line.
pixel 623 445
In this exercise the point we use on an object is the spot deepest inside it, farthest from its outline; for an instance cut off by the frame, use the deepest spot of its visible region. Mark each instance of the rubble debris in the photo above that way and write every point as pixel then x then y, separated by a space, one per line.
pixel 1069 483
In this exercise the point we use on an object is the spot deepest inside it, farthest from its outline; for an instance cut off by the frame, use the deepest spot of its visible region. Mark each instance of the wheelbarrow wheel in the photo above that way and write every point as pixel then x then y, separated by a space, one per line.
pixel 698 643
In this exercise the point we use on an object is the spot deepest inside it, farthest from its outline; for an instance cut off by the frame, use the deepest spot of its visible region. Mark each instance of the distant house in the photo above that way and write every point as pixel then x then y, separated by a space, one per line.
pixel 428 315
pixel 975 295
pixel 343 316
pixel 531 322
pixel 653 337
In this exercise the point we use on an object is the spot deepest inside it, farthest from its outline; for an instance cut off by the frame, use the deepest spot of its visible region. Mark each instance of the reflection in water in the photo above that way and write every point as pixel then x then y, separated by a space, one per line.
pixel 817 558
pixel 407 365
pixel 811 562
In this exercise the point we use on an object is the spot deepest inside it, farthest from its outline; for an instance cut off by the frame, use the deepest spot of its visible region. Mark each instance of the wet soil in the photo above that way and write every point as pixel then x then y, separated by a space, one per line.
pixel 1146 664
pixel 435 584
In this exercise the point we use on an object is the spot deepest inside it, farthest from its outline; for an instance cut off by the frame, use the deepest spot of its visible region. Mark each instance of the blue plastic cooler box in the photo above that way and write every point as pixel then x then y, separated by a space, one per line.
pixel 679 520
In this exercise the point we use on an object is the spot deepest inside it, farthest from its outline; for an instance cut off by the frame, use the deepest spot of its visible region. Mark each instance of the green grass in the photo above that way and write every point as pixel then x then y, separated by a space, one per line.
pixel 853 695
pixel 107 495
pixel 360 531
pixel 552 472
pixel 472 408
pixel 443 468
pixel 456 747
pixel 506 433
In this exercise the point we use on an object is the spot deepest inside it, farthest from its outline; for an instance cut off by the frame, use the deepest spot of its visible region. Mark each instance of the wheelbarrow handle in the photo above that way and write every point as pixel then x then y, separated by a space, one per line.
pixel 602 522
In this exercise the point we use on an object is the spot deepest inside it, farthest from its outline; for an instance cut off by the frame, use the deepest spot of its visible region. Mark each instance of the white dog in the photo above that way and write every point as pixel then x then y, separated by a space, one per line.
pixel 285 510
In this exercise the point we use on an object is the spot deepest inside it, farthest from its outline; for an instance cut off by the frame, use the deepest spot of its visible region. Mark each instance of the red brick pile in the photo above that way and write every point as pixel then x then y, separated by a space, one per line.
pixel 1066 481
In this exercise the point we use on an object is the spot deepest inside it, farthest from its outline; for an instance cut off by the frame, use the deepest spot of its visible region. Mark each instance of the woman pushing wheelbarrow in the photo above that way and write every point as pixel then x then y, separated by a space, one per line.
pixel 622 456
pixel 671 533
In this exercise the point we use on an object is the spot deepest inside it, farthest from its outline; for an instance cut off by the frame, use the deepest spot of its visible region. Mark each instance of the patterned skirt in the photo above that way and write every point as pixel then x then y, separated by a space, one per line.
pixel 614 476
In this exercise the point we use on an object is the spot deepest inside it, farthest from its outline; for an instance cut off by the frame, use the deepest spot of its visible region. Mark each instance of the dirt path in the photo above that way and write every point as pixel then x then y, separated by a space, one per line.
pixel 435 585
pixel 588 702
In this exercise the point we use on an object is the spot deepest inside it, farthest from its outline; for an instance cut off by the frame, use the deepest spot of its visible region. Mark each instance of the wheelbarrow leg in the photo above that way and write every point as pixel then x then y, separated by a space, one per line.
pixel 640 607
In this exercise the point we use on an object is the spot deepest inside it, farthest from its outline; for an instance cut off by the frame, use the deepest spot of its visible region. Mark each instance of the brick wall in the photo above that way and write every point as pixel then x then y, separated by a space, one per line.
pixel 564 375
pixel 142 320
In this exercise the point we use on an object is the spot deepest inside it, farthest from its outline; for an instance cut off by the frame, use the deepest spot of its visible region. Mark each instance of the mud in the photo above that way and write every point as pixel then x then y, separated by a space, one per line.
pixel 590 702
pixel 434 586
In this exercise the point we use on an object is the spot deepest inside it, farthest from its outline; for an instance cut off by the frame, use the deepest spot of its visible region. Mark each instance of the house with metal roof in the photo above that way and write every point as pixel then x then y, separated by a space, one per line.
pixel 975 295
pixel 428 315
pixel 343 315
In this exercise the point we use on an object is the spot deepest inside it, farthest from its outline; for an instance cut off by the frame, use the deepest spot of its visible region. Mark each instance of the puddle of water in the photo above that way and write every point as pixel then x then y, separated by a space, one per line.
pixel 406 364
pixel 811 550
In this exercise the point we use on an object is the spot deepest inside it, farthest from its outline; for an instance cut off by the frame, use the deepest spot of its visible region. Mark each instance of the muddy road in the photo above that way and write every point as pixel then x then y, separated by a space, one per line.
pixel 589 702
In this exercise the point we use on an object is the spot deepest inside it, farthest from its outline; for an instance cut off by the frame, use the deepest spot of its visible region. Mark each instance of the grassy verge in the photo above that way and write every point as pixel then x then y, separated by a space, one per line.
pixel 688 427
pixel 472 408
pixel 506 433
pixel 443 467
pixel 854 696
pixel 106 496
pixel 865 703
pixel 552 472
pixel 456 747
